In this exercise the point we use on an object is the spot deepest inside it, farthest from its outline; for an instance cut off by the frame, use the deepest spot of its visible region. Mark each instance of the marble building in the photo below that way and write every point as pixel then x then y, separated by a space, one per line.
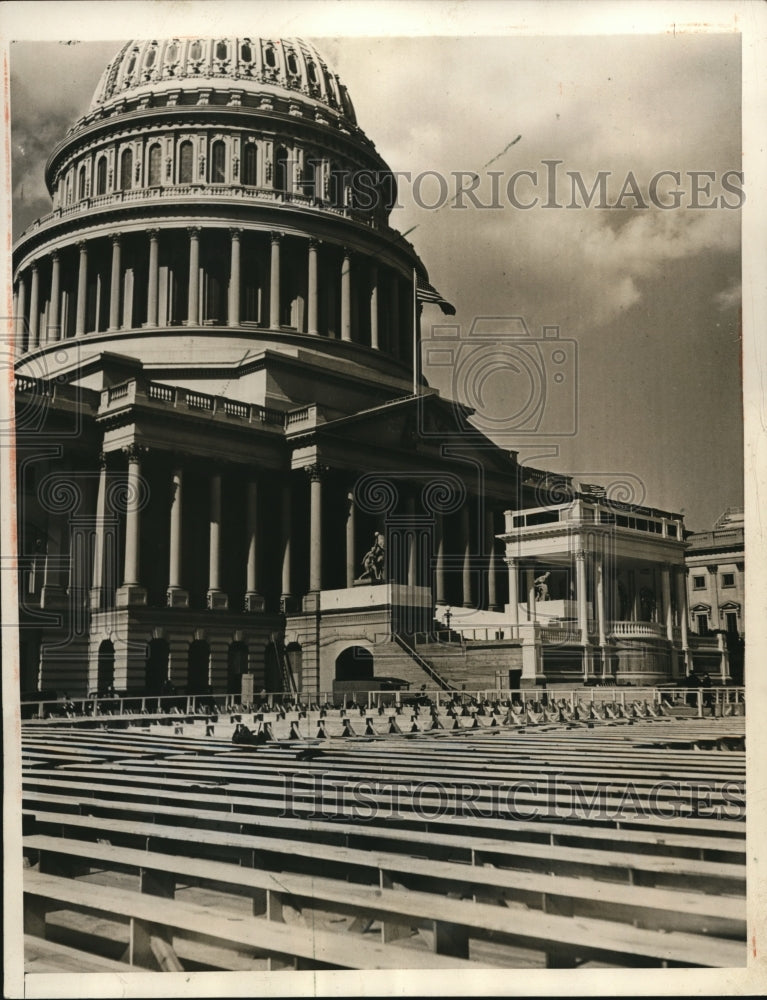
pixel 226 464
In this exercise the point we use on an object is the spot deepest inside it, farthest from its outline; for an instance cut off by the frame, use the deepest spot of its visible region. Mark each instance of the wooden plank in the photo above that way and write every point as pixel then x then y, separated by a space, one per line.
pixel 48 956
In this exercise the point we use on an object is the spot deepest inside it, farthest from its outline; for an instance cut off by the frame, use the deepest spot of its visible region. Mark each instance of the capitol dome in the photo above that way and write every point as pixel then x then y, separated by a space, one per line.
pixel 257 67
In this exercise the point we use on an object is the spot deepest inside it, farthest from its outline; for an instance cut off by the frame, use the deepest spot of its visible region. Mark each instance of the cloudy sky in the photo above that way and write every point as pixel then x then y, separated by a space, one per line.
pixel 646 300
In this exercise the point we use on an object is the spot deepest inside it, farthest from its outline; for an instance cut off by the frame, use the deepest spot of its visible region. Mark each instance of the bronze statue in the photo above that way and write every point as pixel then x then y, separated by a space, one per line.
pixel 373 561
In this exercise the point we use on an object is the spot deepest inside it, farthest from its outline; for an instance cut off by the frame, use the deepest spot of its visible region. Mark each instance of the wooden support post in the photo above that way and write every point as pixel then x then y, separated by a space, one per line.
pixel 35 908
pixel 274 906
pixel 140 945
pixel 449 939
pixel 156 883
pixel 259 902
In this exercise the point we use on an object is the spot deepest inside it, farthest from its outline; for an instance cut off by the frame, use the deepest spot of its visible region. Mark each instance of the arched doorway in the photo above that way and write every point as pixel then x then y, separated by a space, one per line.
pixel 354 664
pixel 156 673
pixel 237 665
pixel 105 676
pixel 197 668
pixel 293 655
pixel 272 667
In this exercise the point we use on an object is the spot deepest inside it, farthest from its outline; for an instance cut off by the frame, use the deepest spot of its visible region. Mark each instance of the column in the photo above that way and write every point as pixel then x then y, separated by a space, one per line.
pixel 492 583
pixel 193 298
pixel 346 296
pixel 580 586
pixel 131 591
pixel 394 345
pixel 234 279
pixel 154 278
pixel 713 572
pixel 54 310
pixel 466 539
pixel 21 305
pixel 217 599
pixel 513 565
pixel 312 289
pixel 82 289
pixel 286 597
pixel 315 527
pixel 374 307
pixel 98 542
pixel 34 309
pixel 530 581
pixel 411 543
pixel 177 596
pixel 682 609
pixel 253 599
pixel 350 533
pixel 601 602
pixel 439 569
pixel 274 284
pixel 116 282
pixel 667 609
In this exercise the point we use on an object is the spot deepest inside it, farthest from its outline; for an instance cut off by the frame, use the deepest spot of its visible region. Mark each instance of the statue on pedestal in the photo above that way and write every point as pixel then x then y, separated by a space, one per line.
pixel 373 562
pixel 541 587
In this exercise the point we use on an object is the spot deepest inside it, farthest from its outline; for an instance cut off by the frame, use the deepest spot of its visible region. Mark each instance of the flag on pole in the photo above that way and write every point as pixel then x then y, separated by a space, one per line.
pixel 428 293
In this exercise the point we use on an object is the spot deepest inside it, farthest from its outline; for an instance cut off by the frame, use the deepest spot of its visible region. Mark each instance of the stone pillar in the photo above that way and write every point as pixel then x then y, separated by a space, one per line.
pixel 350 533
pixel 193 298
pixel 394 346
pixel 34 309
pixel 683 612
pixel 177 596
pixel 713 572
pixel 312 293
pixel 667 609
pixel 217 599
pixel 54 310
pixel 530 581
pixel 315 527
pixel 153 278
pixel 286 597
pixel 513 565
pixel 115 282
pixel 82 288
pixel 411 543
pixel 233 317
pixel 601 602
pixel 581 595
pixel 21 305
pixel 439 569
pixel 374 307
pixel 466 541
pixel 253 599
pixel 131 591
pixel 274 284
pixel 492 583
pixel 346 296
pixel 97 584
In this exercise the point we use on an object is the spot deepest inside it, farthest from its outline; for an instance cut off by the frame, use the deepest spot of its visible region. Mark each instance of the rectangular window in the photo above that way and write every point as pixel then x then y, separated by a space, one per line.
pixel 728 579
pixel 702 624
pixel 732 622
pixel 699 582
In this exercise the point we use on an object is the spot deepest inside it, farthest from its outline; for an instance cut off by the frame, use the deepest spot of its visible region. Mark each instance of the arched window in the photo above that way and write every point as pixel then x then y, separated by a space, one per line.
pixel 81 184
pixel 292 63
pixel 221 50
pixel 149 60
pixel 171 54
pixel 218 163
pixel 250 164
pixel 185 163
pixel 336 186
pixel 280 169
pixel 246 53
pixel 270 57
pixel 195 50
pixel 126 170
pixel 155 165
pixel 101 175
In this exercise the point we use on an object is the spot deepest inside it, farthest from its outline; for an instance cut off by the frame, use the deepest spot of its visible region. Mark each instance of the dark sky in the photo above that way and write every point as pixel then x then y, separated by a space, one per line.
pixel 646 300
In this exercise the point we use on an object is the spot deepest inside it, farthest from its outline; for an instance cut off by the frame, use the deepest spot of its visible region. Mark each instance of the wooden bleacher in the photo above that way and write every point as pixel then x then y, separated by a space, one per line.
pixel 550 844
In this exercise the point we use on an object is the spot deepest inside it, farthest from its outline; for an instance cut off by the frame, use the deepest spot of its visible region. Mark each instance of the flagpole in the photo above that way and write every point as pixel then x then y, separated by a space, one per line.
pixel 415 333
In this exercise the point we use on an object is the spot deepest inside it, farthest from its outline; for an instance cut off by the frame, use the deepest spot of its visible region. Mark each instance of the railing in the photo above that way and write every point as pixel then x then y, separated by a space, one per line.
pixel 176 396
pixel 119 391
pixel 423 664
pixel 637 629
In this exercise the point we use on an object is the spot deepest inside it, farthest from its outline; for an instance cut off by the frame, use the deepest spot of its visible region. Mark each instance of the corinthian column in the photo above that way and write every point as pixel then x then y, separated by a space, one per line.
pixel 274 284
pixel 131 591
pixel 82 289
pixel 217 599
pixel 177 596
pixel 193 299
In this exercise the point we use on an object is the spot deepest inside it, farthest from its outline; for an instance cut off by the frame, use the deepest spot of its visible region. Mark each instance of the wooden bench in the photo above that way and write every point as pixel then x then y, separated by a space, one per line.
pixel 453 923
pixel 647 907
pixel 295 841
pixel 111 800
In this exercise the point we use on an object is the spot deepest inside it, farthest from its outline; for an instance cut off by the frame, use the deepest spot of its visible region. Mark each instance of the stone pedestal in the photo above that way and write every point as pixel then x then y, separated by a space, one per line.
pixel 131 595
pixel 218 600
pixel 178 597
pixel 254 601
